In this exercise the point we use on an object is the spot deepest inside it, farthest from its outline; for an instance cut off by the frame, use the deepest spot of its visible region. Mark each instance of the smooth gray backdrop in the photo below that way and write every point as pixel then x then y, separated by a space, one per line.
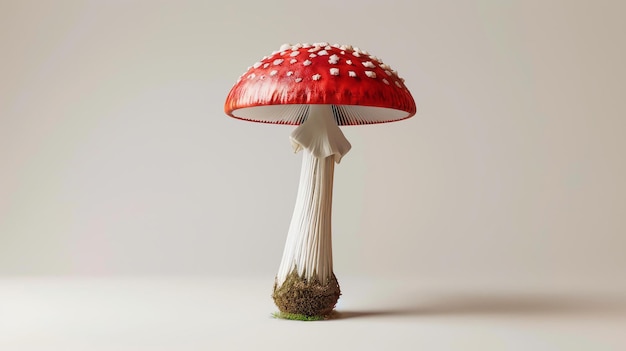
pixel 116 156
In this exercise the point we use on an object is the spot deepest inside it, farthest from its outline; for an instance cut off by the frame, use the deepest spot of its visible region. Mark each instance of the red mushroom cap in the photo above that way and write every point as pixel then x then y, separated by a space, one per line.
pixel 361 88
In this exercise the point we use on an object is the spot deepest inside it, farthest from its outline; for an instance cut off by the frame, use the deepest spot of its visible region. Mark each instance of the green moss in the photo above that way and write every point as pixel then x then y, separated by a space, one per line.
pixel 297 317
pixel 308 298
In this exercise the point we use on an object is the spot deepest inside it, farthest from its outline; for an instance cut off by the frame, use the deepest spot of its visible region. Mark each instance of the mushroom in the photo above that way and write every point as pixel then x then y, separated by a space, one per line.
pixel 338 86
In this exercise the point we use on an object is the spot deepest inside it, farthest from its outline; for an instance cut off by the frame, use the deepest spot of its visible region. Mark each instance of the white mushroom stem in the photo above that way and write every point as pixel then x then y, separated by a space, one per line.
pixel 309 242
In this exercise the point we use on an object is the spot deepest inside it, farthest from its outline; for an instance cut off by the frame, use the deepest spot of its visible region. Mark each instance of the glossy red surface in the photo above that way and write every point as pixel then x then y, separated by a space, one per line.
pixel 338 75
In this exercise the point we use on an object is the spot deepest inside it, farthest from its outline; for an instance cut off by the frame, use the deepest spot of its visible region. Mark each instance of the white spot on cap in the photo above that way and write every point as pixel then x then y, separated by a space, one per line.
pixel 398 84
pixel 298 80
pixel 292 61
pixel 349 62
pixel 328 47
pixel 334 71
pixel 285 47
pixel 384 66
pixel 333 59
pixel 388 73
pixel 385 81
pixel 273 72
pixel 401 79
pixel 289 74
pixel 306 63
pixel 352 74
pixel 312 55
pixel 266 65
pixel 252 76
pixel 314 49
pixel 278 62
pixel 343 52
pixel 336 45
pixel 370 74
pixel 294 53
pixel 322 53
pixel 316 76
pixel 257 64
pixel 356 53
pixel 368 64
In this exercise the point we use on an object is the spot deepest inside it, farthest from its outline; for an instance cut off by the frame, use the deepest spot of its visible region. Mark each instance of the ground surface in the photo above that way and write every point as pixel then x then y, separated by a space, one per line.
pixel 211 313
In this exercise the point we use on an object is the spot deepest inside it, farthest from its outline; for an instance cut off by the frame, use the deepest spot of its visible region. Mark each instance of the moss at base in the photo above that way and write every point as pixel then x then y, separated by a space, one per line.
pixel 298 296
pixel 298 317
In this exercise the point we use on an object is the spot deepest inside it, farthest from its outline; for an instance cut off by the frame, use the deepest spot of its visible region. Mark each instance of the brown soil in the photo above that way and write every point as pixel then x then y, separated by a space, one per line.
pixel 310 298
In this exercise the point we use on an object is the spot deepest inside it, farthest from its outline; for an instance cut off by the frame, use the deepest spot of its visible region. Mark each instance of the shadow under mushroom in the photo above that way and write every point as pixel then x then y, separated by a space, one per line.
pixel 495 305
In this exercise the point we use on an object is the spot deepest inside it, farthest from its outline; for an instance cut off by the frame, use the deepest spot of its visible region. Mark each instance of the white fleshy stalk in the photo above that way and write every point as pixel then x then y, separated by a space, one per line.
pixel 309 246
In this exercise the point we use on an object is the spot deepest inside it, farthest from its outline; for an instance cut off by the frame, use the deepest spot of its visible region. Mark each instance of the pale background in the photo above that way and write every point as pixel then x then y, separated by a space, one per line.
pixel 116 158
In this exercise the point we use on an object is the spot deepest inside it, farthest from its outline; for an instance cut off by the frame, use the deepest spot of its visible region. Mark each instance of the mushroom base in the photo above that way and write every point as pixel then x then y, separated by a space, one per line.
pixel 308 298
